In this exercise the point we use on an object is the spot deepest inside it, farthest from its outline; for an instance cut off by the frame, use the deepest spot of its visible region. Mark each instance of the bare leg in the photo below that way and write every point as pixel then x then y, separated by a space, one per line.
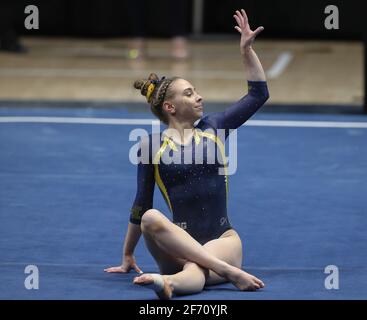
pixel 193 278
pixel 179 275
pixel 220 248
pixel 175 241
pixel 190 280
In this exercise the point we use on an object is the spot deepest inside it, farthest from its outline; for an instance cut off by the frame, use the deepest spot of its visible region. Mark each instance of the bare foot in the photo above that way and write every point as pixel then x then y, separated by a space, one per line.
pixel 157 282
pixel 245 281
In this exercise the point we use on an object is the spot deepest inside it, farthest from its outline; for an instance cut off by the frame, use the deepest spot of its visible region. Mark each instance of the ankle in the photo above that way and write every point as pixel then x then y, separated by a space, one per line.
pixel 168 279
pixel 226 270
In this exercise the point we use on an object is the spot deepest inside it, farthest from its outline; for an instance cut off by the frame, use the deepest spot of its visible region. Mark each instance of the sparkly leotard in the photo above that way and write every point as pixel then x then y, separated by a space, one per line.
pixel 194 191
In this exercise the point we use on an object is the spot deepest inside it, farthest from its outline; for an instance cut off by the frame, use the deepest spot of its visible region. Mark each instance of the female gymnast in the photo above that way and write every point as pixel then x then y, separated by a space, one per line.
pixel 199 247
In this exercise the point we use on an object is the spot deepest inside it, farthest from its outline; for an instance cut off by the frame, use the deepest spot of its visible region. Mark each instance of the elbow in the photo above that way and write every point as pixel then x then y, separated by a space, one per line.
pixel 266 96
pixel 261 93
pixel 261 99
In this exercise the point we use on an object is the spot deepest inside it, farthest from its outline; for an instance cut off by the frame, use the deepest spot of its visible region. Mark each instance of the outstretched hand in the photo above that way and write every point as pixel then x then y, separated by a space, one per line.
pixel 247 35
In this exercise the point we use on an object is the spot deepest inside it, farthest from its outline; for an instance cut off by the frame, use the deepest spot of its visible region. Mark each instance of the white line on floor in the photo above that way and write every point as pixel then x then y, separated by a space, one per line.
pixel 78 120
pixel 111 121
pixel 279 65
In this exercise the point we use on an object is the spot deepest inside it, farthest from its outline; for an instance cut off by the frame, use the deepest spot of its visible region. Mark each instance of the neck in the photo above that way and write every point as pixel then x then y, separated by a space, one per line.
pixel 180 131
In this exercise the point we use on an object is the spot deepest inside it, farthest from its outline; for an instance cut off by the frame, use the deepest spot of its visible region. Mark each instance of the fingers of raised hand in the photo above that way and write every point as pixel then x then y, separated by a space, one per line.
pixel 238 19
pixel 238 29
pixel 244 16
pixel 257 31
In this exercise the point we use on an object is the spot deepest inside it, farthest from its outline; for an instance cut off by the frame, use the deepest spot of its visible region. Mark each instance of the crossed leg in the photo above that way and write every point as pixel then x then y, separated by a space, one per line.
pixel 186 265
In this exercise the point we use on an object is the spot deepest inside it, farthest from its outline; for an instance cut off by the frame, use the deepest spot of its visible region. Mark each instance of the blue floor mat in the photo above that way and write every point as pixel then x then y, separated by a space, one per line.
pixel 298 201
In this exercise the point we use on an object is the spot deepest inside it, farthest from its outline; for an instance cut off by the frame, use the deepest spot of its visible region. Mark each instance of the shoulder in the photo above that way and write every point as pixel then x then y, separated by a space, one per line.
pixel 151 143
pixel 208 122
pixel 148 140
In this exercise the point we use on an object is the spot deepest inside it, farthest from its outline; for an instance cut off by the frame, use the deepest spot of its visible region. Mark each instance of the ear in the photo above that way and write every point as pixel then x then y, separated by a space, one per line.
pixel 169 107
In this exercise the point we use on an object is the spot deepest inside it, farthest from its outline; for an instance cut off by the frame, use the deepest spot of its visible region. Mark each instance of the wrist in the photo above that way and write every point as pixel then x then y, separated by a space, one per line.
pixel 127 252
pixel 246 51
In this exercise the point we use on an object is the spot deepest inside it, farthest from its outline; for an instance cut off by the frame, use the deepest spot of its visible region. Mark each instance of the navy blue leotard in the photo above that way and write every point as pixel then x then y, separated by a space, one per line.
pixel 195 193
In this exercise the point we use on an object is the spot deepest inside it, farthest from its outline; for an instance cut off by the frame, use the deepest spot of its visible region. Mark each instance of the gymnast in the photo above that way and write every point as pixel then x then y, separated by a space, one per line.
pixel 199 247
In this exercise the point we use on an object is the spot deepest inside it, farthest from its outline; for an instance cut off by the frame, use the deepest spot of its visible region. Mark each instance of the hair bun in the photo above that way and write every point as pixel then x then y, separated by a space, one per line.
pixel 153 76
pixel 138 84
pixel 143 84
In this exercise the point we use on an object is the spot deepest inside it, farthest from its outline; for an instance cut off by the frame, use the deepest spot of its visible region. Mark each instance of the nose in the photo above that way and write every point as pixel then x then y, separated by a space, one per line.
pixel 199 98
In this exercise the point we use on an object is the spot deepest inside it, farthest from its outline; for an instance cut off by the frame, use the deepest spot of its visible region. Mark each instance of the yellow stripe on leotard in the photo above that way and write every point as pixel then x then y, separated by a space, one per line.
pixel 158 179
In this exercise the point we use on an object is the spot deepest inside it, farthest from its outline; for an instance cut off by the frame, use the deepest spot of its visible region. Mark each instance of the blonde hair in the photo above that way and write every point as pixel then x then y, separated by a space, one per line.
pixel 156 91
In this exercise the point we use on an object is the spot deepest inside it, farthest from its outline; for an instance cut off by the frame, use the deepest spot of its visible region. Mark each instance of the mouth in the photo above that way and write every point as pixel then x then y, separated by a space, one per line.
pixel 199 107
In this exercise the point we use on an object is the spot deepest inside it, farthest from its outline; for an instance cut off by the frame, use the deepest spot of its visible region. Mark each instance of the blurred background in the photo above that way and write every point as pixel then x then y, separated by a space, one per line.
pixel 92 51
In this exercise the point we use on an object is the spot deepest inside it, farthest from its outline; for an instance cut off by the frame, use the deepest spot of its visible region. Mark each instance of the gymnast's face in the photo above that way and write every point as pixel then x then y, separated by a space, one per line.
pixel 185 103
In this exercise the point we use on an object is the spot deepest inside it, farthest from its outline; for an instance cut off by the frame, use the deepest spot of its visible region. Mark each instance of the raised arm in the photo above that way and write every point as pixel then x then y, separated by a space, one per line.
pixel 237 114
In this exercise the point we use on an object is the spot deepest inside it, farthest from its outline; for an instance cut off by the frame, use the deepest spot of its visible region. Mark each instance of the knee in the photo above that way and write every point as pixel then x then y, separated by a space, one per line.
pixel 151 221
